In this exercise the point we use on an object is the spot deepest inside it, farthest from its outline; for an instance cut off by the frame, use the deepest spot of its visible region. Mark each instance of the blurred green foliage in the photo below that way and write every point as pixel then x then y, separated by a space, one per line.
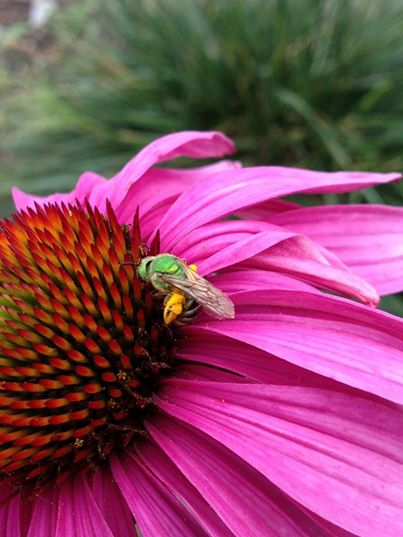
pixel 313 83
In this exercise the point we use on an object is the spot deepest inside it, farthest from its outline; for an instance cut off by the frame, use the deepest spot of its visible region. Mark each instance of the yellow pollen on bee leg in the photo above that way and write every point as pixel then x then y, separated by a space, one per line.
pixel 173 306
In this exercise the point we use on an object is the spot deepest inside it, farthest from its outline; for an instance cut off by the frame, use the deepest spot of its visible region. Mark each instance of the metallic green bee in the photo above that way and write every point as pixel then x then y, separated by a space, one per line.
pixel 182 286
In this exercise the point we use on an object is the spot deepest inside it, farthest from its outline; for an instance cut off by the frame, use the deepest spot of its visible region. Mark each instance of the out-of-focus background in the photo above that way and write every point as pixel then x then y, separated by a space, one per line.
pixel 314 83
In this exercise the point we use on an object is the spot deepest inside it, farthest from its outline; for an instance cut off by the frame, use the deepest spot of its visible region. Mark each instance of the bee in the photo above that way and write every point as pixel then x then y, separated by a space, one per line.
pixel 184 289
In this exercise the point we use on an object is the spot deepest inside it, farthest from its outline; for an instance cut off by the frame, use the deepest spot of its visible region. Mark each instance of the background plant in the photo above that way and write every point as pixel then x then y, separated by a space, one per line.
pixel 314 83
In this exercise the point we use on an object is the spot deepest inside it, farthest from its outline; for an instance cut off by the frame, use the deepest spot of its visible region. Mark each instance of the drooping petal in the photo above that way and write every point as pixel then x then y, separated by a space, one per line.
pixel 157 186
pixel 248 504
pixel 331 336
pixel 155 508
pixel 194 144
pixel 112 505
pixel 165 470
pixel 78 514
pixel 300 258
pixel 227 192
pixel 368 238
pixel 339 455
pixel 44 516
pixel 262 245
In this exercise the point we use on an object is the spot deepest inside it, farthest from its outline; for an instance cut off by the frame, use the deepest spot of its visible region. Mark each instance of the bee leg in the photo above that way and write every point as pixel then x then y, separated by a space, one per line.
pixel 189 314
pixel 173 306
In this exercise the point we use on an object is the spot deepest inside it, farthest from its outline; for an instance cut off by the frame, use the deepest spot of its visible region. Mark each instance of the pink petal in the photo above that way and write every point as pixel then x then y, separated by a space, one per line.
pixel 244 499
pixel 255 364
pixel 85 185
pixel 10 509
pixel 243 279
pixel 157 186
pixel 368 238
pixel 44 516
pixel 264 210
pixel 229 191
pixel 300 258
pixel 209 239
pixel 261 245
pixel 331 336
pixel 149 222
pixel 241 249
pixel 339 455
pixel 161 466
pixel 192 144
pixel 78 514
pixel 111 504
pixel 331 529
pixel 205 372
pixel 156 509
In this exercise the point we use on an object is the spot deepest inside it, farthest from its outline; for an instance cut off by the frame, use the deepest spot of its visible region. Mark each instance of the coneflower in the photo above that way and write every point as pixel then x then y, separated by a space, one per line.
pixel 284 420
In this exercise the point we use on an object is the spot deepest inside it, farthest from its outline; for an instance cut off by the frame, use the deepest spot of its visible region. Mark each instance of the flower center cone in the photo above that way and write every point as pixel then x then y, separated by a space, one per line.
pixel 83 345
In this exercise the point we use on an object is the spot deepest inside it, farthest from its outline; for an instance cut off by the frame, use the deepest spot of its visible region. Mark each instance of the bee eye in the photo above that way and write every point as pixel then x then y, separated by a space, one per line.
pixel 144 269
pixel 147 265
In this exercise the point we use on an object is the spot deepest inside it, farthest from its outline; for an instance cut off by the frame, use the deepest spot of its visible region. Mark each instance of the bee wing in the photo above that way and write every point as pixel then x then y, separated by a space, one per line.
pixel 214 301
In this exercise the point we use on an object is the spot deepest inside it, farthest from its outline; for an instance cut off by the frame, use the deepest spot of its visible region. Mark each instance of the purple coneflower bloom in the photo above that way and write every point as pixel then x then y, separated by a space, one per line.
pixel 284 421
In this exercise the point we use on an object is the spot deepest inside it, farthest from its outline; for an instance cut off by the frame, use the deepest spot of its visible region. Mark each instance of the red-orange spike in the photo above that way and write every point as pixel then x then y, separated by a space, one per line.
pixel 115 295
pixel 62 343
pixel 76 316
pixel 76 356
pixel 101 362
pixel 90 306
pixel 60 363
pixel 136 235
pixel 84 371
pixel 104 334
pixel 107 274
pixel 155 244
pixel 118 320
pixel 123 280
pixel 100 289
pixel 115 348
